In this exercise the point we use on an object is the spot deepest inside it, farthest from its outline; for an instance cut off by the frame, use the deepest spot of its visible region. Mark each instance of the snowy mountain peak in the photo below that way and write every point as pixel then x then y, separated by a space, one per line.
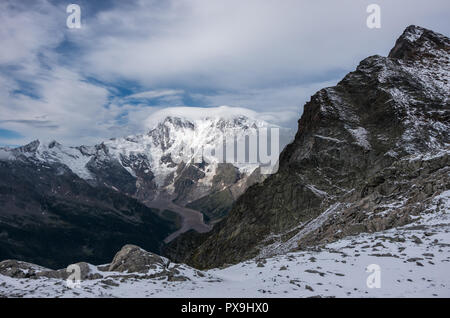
pixel 230 121
pixel 149 163
pixel 30 147
pixel 416 42
pixel 176 122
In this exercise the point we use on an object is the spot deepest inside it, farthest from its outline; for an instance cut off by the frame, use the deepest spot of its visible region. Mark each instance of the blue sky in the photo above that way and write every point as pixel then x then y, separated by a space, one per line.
pixel 131 59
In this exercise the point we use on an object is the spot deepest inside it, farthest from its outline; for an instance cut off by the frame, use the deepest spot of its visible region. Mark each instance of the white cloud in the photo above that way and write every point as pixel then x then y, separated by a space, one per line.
pixel 244 44
pixel 265 56
pixel 195 113
pixel 69 108
pixel 283 105
pixel 156 94
pixel 26 29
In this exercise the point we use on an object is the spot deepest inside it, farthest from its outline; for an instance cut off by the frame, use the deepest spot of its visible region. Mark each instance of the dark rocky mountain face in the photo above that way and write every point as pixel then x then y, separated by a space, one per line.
pixel 369 152
pixel 227 186
pixel 52 217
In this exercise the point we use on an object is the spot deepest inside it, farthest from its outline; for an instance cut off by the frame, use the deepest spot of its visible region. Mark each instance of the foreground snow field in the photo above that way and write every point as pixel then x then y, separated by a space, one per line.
pixel 414 261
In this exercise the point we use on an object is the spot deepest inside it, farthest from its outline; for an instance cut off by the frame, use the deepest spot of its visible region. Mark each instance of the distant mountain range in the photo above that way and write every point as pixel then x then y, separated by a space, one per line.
pixel 166 169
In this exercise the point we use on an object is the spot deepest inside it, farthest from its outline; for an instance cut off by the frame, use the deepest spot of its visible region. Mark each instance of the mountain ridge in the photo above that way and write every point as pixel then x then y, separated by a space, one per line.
pixel 149 172
pixel 157 163
pixel 367 153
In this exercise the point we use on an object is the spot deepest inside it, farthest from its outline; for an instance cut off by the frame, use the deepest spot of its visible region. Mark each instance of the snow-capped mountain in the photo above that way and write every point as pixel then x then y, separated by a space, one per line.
pixel 165 181
pixel 174 160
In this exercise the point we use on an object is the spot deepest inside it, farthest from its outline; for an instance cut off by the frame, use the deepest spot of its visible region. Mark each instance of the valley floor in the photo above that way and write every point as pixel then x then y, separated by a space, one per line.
pixel 413 261
pixel 192 219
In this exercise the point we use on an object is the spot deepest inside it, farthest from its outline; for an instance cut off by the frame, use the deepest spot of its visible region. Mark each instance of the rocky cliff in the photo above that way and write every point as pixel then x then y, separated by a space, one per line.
pixel 369 154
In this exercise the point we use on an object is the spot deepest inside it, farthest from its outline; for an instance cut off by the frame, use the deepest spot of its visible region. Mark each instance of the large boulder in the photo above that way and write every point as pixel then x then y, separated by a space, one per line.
pixel 18 269
pixel 87 272
pixel 133 259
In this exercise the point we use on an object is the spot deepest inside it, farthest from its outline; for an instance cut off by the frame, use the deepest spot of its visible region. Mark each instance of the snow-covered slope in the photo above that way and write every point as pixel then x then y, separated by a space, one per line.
pixel 411 261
